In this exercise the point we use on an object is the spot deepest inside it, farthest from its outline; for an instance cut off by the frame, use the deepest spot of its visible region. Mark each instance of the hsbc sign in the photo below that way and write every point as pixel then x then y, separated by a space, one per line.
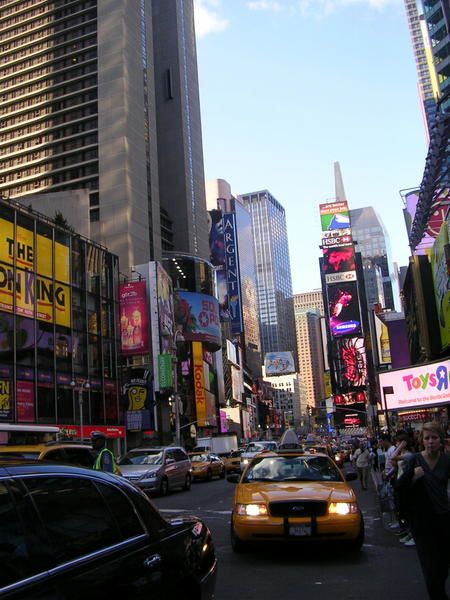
pixel 340 240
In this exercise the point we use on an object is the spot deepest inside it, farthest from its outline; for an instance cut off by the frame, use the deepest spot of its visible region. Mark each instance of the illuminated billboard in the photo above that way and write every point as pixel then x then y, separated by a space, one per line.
pixel 279 363
pixel 343 309
pixel 134 338
pixel 334 215
pixel 165 308
pixel 352 362
pixel 339 264
pixel 233 273
pixel 33 288
pixel 199 384
pixel 197 318
pixel 217 256
pixel 426 385
pixel 440 264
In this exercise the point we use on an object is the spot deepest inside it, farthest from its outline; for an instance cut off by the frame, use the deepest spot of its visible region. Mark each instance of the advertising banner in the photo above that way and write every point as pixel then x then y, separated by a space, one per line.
pixel 343 308
pixel 165 371
pixel 197 318
pixel 339 264
pixel 426 385
pixel 74 431
pixel 25 402
pixel 6 400
pixel 440 266
pixel 352 359
pixel 217 256
pixel 134 338
pixel 34 291
pixel 233 273
pixel 165 309
pixel 279 363
pixel 334 215
pixel 383 344
pixel 139 400
pixel 337 237
pixel 199 385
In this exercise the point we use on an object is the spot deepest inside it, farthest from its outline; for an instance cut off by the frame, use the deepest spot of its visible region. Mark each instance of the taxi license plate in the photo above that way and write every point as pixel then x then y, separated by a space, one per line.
pixel 299 530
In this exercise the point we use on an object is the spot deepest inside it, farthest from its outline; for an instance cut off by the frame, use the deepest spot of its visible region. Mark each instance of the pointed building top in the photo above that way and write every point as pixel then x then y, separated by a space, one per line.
pixel 339 184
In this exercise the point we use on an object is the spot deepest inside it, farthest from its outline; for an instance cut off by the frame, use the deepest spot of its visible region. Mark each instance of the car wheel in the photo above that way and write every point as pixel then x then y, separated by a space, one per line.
pixel 237 545
pixel 356 544
pixel 187 483
pixel 222 473
pixel 164 487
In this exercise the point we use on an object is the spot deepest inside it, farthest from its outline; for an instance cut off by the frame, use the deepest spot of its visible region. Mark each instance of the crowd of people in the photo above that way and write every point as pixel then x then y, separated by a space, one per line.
pixel 411 470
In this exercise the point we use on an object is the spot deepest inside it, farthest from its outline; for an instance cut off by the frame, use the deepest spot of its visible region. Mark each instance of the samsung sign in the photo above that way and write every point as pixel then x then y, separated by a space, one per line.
pixel 232 268
pixel 422 386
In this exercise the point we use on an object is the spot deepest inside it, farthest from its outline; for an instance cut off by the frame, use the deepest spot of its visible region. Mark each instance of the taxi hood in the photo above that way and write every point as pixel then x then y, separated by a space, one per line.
pixel 266 492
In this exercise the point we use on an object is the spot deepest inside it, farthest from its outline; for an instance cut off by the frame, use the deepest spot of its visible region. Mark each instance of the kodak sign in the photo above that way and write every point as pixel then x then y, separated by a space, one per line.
pixel 32 287
pixel 199 384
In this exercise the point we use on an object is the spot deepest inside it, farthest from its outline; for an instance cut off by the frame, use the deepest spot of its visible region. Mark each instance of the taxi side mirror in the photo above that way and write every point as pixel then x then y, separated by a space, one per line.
pixel 233 477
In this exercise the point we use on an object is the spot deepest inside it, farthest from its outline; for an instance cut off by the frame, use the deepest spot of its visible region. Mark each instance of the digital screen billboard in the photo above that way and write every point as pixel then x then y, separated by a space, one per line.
pixel 426 385
pixel 353 362
pixel 134 338
pixel 334 215
pixel 440 265
pixel 339 264
pixel 197 318
pixel 343 309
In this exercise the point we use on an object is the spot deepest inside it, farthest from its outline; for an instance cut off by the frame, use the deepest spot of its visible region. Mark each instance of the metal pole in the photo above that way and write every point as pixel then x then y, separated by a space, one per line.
pixel 80 404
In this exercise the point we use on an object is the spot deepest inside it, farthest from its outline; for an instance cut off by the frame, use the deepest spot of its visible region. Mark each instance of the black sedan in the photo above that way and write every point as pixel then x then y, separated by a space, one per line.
pixel 69 533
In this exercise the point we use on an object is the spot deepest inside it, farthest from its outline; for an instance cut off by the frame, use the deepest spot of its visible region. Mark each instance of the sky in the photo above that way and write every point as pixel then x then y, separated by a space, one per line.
pixel 289 87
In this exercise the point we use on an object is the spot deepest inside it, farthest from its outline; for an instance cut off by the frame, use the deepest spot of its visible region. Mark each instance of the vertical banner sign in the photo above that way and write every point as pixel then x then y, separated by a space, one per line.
pixel 199 384
pixel 25 402
pixel 134 338
pixel 441 278
pixel 233 276
pixel 217 256
pixel 5 400
pixel 165 309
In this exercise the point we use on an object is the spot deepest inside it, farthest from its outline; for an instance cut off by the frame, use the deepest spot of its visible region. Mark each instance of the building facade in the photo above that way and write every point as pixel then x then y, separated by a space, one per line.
pixel 81 86
pixel 273 272
pixel 58 326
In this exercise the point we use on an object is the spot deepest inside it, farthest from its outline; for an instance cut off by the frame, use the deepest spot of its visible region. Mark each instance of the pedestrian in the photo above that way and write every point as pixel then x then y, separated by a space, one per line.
pixel 361 459
pixel 426 478
pixel 105 460
pixel 388 474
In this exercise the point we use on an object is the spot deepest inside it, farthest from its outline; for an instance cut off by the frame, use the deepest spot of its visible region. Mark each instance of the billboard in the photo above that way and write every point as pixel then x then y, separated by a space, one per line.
pixel 139 400
pixel 134 338
pixel 426 385
pixel 352 360
pixel 334 215
pixel 197 318
pixel 233 274
pixel 199 384
pixel 343 309
pixel 440 266
pixel 339 264
pixel 164 295
pixel 32 286
pixel 337 237
pixel 217 256
pixel 279 363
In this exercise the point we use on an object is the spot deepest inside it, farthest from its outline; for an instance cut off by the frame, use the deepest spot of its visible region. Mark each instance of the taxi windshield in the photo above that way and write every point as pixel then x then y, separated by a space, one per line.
pixel 292 468
pixel 260 446
pixel 145 457
pixel 199 458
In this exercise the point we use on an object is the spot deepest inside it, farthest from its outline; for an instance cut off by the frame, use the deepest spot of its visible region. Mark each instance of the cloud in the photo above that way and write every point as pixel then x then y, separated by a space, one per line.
pixel 207 17
pixel 271 5
pixel 317 7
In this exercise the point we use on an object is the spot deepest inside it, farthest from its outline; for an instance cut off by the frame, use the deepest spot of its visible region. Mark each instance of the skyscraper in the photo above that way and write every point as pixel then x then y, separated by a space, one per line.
pixel 426 73
pixel 372 241
pixel 308 308
pixel 273 272
pixel 437 16
pixel 81 84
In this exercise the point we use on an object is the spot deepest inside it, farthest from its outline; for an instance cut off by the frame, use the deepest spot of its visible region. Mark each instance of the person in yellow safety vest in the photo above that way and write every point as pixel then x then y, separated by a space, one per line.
pixel 105 460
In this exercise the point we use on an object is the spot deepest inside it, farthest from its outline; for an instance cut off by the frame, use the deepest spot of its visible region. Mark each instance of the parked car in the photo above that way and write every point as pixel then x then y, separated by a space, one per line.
pixel 255 448
pixel 68 533
pixel 157 470
pixel 293 496
pixel 206 466
pixel 81 455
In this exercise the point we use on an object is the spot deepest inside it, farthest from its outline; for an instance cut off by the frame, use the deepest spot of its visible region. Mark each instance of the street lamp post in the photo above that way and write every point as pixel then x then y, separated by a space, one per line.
pixel 79 389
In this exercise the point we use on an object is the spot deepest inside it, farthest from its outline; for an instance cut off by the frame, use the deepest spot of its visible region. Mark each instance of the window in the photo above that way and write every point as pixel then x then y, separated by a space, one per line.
pixel 75 515
pixel 130 525
pixel 179 455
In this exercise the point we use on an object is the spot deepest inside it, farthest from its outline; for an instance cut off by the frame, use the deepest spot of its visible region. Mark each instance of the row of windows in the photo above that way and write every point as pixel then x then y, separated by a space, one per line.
pixel 44 21
pixel 44 33
pixel 67 117
pixel 67 146
pixel 48 167
pixel 30 63
pixel 57 134
pixel 57 91
pixel 50 184
pixel 61 77
pixel 59 105
pixel 68 175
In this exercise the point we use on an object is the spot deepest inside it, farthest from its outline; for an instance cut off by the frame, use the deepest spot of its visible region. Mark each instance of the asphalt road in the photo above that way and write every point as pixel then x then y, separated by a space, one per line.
pixel 384 569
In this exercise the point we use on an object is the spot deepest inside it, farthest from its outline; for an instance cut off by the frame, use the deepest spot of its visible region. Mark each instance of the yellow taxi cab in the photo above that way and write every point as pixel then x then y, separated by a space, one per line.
pixel 206 466
pixel 292 495
pixel 232 461
pixel 74 454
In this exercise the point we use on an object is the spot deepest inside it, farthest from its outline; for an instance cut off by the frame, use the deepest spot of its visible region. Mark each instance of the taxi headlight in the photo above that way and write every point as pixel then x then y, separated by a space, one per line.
pixel 342 508
pixel 337 457
pixel 245 461
pixel 251 510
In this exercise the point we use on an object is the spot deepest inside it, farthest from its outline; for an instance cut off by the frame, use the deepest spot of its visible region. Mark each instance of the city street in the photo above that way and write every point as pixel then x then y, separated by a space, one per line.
pixel 384 568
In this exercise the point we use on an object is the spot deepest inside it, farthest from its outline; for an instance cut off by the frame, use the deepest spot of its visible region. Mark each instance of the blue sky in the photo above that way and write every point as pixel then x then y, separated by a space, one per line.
pixel 288 87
